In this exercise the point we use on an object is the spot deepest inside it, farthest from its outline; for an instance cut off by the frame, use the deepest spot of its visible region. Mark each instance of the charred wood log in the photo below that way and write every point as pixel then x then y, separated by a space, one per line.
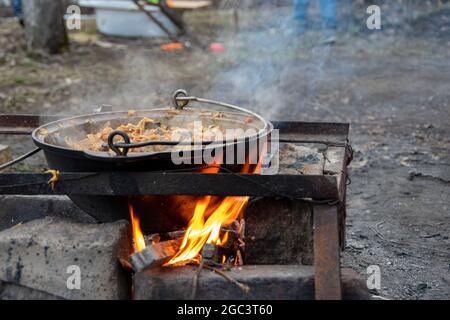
pixel 211 252
pixel 155 255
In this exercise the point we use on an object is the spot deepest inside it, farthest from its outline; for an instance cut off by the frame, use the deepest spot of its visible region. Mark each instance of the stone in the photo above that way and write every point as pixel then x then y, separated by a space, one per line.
pixel 297 159
pixel 16 209
pixel 9 291
pixel 282 282
pixel 278 232
pixel 48 255
pixel 353 287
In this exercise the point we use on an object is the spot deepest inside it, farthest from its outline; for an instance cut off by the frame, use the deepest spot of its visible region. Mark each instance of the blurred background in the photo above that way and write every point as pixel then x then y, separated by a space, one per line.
pixel 391 85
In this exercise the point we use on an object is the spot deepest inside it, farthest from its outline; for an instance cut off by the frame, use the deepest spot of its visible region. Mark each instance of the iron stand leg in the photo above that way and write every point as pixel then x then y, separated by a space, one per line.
pixel 327 253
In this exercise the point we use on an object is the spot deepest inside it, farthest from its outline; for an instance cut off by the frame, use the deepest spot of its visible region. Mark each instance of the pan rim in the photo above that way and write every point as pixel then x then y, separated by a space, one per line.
pixel 39 139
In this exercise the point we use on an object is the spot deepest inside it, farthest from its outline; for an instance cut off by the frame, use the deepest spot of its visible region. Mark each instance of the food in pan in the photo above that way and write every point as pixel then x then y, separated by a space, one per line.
pixel 145 129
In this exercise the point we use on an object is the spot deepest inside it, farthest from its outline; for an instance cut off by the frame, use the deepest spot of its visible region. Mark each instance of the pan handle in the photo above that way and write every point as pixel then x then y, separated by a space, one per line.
pixel 181 99
pixel 122 148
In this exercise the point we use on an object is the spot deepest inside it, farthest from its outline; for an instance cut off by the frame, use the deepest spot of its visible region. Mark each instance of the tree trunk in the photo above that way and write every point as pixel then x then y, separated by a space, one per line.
pixel 45 29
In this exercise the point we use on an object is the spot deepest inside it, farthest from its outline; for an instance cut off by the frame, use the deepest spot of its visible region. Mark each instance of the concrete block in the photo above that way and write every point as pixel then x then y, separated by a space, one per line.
pixel 16 209
pixel 283 282
pixel 278 232
pixel 39 255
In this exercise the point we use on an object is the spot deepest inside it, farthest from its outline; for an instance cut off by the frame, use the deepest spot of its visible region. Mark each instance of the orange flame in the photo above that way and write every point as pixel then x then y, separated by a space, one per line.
pixel 138 237
pixel 201 232
pixel 210 214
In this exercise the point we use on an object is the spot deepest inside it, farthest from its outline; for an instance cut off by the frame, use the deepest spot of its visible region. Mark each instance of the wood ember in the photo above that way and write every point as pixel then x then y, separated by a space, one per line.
pixel 173 235
pixel 160 248
pixel 152 239
pixel 233 239
pixel 155 255
pixel 230 249
pixel 211 252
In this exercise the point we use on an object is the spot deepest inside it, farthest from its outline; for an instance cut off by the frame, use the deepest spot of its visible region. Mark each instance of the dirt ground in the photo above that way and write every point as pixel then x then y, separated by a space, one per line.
pixel 391 85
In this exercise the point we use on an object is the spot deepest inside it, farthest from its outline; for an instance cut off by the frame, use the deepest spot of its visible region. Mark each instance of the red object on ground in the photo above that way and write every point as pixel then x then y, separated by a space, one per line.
pixel 172 46
pixel 216 47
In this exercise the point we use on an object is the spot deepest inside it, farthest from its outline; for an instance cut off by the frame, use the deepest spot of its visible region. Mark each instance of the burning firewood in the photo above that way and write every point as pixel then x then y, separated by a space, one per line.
pixel 225 252
pixel 153 239
pixel 126 265
pixel 174 234
pixel 155 255
pixel 211 252
pixel 157 251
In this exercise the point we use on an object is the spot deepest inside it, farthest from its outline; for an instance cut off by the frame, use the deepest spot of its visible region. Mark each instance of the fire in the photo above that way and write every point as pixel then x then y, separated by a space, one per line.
pixel 201 232
pixel 204 230
pixel 138 236
pixel 210 215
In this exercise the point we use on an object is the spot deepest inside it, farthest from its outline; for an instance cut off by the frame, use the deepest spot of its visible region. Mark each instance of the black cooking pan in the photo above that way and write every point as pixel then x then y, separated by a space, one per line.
pixel 120 155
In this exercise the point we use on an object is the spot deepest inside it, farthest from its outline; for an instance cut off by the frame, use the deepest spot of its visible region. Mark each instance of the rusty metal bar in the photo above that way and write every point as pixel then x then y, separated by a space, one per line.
pixel 26 123
pixel 23 124
pixel 147 183
pixel 150 15
pixel 313 131
pixel 327 275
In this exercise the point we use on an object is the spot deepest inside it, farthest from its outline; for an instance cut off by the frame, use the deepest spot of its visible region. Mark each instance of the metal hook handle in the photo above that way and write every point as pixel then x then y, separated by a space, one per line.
pixel 178 103
pixel 113 147
pixel 181 99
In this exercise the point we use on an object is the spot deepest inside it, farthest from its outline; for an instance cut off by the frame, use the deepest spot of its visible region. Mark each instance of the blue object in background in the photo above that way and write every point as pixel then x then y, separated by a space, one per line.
pixel 327 12
pixel 17 7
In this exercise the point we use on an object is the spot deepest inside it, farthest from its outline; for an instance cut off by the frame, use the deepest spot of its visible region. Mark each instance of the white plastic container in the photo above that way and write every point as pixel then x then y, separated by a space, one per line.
pixel 124 19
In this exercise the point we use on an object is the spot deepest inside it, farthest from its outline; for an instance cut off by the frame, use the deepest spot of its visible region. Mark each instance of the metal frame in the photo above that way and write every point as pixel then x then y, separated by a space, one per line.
pixel 164 183
pixel 326 191
pixel 327 269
